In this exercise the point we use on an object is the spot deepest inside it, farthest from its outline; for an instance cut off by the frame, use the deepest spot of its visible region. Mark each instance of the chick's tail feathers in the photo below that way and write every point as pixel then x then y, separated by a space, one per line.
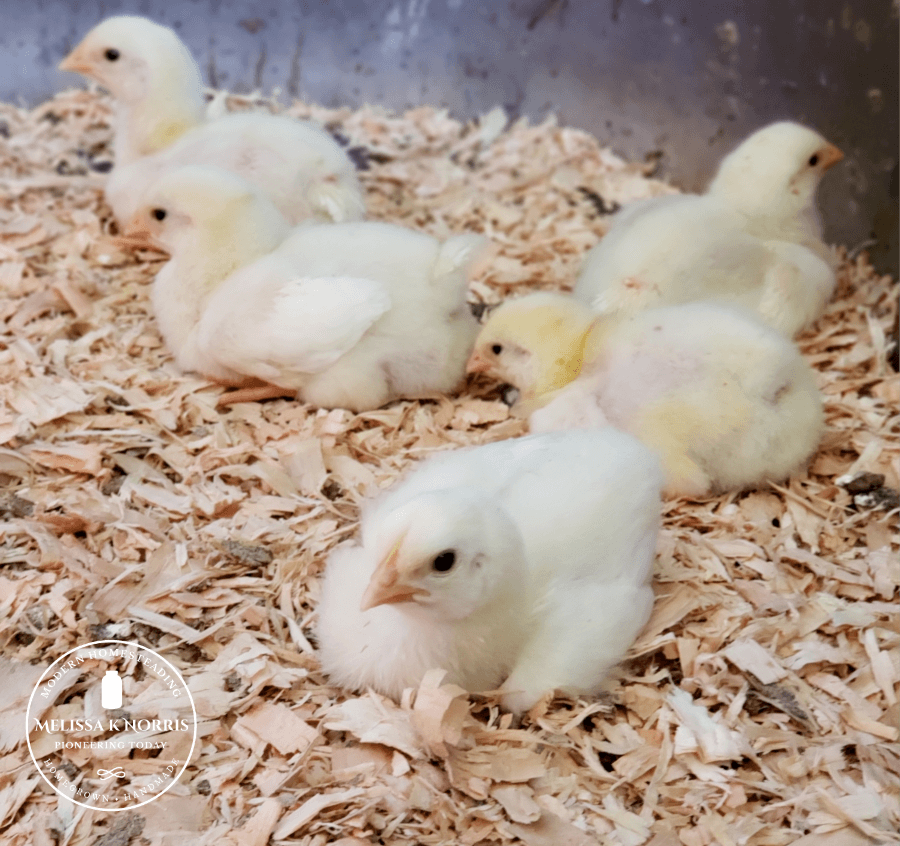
pixel 453 267
pixel 796 288
pixel 217 106
pixel 337 198
pixel 796 419
pixel 449 283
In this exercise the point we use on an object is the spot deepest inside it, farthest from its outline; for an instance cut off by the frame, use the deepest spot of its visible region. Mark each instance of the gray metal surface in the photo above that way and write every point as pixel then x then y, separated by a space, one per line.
pixel 688 78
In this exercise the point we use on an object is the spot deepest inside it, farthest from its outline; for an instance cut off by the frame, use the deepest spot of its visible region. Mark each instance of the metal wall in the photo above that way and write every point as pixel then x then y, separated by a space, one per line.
pixel 687 77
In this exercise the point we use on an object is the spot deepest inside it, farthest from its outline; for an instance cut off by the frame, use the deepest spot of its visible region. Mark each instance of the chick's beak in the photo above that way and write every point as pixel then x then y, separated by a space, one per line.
pixel 385 588
pixel 477 363
pixel 77 62
pixel 829 156
pixel 136 236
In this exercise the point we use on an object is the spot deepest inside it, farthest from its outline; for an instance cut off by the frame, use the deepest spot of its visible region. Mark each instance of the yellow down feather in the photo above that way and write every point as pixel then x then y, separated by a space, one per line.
pixel 545 338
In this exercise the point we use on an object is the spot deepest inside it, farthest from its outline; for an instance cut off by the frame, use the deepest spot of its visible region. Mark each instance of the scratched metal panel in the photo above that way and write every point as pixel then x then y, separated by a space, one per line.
pixel 685 77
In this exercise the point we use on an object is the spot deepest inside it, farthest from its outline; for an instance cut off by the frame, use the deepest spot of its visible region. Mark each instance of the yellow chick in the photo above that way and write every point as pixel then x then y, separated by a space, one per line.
pixel 725 401
pixel 347 315
pixel 556 325
pixel 161 124
pixel 753 240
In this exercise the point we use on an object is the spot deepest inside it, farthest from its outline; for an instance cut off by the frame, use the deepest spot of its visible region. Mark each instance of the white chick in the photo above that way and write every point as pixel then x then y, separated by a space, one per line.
pixel 524 562
pixel 772 178
pixel 753 240
pixel 724 400
pixel 346 315
pixel 161 124
pixel 152 76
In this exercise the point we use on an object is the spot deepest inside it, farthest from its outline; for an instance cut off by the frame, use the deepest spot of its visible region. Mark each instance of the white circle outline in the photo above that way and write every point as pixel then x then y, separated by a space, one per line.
pixel 187 760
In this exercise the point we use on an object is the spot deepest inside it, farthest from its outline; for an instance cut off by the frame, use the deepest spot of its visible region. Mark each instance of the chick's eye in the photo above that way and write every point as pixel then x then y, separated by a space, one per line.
pixel 112 55
pixel 813 159
pixel 444 561
pixel 496 349
pixel 159 214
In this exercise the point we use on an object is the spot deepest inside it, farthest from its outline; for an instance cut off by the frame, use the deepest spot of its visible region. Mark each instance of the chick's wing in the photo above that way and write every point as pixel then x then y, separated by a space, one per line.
pixel 302 325
pixel 319 319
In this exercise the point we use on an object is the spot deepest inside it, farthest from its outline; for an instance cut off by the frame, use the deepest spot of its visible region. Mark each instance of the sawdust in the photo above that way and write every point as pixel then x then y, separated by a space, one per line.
pixel 759 707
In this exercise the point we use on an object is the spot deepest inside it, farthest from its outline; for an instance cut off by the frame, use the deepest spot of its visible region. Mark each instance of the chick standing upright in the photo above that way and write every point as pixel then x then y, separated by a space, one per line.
pixel 725 401
pixel 347 315
pixel 524 562
pixel 754 239
pixel 161 124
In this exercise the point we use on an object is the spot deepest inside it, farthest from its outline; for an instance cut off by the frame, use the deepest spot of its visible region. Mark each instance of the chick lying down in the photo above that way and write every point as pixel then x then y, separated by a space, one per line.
pixel 299 166
pixel 345 315
pixel 753 240
pixel 162 123
pixel 523 565
pixel 724 400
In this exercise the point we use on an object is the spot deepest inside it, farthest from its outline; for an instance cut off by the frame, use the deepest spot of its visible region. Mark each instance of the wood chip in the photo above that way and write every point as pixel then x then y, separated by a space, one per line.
pixel 750 656
pixel 550 830
pixel 311 808
pixel 279 726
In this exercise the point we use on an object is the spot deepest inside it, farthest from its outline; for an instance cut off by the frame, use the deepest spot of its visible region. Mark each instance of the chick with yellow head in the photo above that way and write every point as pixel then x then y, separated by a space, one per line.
pixel 725 401
pixel 536 343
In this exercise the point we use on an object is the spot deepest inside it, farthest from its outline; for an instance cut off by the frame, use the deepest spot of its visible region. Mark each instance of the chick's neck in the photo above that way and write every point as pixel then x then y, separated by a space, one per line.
pixel 785 213
pixel 158 119
pixel 224 248
pixel 565 362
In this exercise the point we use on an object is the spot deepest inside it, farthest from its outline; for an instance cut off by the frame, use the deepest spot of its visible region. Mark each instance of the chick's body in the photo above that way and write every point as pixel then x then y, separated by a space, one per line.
pixel 553 537
pixel 753 240
pixel 406 330
pixel 724 400
pixel 297 165
pixel 349 315
pixel 161 124
pixel 686 248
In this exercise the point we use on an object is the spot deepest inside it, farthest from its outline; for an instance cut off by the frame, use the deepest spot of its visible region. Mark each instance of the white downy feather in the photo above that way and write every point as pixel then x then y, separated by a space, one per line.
pixel 554 537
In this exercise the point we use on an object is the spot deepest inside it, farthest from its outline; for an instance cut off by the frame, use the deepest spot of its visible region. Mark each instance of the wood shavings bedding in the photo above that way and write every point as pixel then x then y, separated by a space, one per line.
pixel 759 707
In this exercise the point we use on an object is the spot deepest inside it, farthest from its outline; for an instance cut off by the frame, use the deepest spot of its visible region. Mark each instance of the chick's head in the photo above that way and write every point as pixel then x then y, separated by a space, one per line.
pixel 535 343
pixel 446 555
pixel 133 58
pixel 776 170
pixel 197 207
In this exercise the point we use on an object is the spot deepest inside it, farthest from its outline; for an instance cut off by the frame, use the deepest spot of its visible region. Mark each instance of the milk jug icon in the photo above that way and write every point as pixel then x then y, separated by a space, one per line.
pixel 111 690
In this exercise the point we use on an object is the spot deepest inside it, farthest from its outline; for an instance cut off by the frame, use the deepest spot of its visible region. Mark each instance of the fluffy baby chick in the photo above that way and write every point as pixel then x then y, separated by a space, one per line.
pixel 524 562
pixel 772 178
pixel 151 74
pixel 753 240
pixel 346 315
pixel 725 401
pixel 161 124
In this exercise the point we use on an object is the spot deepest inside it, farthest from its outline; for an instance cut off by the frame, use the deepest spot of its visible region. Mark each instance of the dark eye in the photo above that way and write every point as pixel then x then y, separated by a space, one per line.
pixel 813 159
pixel 159 214
pixel 497 349
pixel 112 55
pixel 444 561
